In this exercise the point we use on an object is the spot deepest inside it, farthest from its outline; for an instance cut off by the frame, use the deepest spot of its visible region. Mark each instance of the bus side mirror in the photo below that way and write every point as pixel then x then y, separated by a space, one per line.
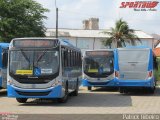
pixel 4 59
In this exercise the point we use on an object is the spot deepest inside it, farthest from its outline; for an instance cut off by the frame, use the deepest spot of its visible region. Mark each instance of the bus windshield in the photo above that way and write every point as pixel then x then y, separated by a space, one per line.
pixel 99 65
pixel 34 62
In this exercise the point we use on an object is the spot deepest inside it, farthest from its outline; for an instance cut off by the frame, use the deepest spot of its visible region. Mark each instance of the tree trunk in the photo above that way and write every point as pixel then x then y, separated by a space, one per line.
pixel 116 44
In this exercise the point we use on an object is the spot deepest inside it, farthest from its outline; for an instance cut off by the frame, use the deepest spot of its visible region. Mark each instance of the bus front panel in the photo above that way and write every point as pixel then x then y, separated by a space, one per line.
pixel 98 68
pixel 34 73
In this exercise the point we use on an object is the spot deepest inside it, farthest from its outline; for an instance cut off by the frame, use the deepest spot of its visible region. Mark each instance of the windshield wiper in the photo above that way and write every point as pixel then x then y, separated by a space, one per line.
pixel 40 57
pixel 25 56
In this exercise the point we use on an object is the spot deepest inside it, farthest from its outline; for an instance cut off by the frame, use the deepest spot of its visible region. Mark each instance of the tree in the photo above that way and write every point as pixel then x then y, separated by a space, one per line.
pixel 120 35
pixel 21 18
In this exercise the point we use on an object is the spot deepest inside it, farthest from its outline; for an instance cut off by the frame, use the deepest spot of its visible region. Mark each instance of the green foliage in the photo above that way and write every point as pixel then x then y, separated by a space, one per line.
pixel 157 71
pixel 120 35
pixel 21 18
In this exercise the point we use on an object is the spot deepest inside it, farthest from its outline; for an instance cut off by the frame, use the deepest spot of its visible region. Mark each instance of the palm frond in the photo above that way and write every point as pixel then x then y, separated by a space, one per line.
pixel 121 34
pixel 108 41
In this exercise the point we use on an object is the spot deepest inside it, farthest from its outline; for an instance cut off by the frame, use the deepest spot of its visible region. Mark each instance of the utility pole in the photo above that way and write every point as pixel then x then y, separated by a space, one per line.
pixel 56 19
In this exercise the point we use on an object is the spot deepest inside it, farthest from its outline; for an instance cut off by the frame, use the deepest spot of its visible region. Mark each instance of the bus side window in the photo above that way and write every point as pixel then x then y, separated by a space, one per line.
pixel 71 58
pixel 77 60
pixel 65 58
pixel 5 59
pixel 80 59
pixel 62 57
pixel 74 58
pixel 68 58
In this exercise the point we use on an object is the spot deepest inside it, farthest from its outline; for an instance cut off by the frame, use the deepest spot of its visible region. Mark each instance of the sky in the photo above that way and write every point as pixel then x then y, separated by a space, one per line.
pixel 73 12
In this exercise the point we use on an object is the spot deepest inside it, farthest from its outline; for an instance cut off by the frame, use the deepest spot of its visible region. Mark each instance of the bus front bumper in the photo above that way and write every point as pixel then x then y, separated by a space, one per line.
pixel 86 82
pixel 53 92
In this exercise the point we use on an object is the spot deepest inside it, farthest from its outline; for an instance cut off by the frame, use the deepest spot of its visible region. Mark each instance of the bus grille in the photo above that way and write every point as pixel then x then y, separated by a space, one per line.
pixel 33 93
pixel 98 83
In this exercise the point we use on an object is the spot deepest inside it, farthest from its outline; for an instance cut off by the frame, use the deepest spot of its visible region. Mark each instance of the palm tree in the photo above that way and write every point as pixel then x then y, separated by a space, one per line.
pixel 120 35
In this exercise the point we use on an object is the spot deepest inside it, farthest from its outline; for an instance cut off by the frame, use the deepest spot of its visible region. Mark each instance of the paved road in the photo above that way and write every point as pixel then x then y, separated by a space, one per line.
pixel 99 101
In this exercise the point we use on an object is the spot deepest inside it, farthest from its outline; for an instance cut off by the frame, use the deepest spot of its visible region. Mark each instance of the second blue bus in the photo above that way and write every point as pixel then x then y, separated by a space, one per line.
pixel 98 68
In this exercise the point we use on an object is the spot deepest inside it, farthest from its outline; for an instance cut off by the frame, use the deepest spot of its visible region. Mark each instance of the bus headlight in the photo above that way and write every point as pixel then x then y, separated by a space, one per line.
pixel 83 76
pixel 10 82
pixel 56 82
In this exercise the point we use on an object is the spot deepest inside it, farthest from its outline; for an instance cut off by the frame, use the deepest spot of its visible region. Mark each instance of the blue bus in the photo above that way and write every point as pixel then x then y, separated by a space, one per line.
pixel 43 68
pixel 134 68
pixel 98 68
pixel 3 64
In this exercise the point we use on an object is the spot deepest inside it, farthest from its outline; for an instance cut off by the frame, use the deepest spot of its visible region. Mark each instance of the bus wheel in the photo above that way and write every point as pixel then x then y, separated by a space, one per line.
pixel 75 92
pixel 121 90
pixel 65 98
pixel 21 100
pixel 89 88
pixel 152 90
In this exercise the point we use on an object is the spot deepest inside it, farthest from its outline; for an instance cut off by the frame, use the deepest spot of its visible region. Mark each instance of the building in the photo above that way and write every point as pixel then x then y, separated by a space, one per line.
pixel 156 40
pixel 91 37
pixel 91 24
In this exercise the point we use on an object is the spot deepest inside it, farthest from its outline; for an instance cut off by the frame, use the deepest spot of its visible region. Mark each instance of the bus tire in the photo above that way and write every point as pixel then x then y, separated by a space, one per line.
pixel 75 92
pixel 123 90
pixel 65 97
pixel 21 100
pixel 89 88
pixel 152 90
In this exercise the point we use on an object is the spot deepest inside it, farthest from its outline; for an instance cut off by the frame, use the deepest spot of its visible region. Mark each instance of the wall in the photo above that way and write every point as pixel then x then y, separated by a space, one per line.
pixel 95 43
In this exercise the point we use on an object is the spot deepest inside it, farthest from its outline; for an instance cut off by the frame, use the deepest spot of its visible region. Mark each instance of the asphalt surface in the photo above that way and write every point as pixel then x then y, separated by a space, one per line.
pixel 98 101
